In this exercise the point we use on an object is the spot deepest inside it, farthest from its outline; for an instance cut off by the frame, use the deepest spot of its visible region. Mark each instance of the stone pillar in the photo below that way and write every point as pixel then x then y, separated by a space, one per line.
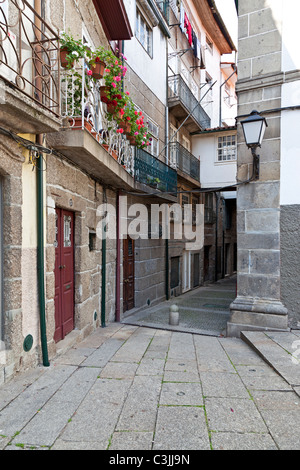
pixel 258 303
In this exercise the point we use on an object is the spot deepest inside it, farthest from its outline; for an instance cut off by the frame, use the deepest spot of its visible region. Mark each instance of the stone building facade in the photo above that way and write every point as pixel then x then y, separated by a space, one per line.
pixel 267 209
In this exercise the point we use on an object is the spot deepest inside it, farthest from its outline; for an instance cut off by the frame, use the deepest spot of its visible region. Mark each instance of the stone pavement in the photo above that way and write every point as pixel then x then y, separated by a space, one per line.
pixel 204 310
pixel 134 388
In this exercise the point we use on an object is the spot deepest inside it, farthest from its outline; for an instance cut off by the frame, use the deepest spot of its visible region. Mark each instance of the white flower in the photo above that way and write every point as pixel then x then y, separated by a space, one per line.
pixel 75 53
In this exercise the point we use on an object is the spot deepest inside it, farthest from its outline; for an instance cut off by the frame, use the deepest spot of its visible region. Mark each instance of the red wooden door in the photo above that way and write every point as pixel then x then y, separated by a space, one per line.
pixel 128 274
pixel 64 274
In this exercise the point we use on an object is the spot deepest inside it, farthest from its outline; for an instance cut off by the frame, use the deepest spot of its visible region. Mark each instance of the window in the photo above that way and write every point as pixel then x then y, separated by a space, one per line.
pixel 227 148
pixel 143 33
pixel 209 45
pixel 154 131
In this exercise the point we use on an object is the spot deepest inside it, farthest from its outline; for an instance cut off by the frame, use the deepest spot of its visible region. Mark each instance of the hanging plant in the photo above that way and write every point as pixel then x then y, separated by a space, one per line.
pixel 71 50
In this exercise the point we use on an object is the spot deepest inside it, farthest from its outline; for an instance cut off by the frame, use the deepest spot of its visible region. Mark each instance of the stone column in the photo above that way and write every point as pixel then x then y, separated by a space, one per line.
pixel 258 303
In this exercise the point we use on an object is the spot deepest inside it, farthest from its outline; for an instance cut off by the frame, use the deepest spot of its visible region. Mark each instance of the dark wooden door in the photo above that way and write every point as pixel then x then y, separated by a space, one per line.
pixel 128 274
pixel 64 274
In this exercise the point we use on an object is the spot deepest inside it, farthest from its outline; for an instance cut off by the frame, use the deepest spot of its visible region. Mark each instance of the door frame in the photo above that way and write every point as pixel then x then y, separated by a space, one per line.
pixel 63 328
pixel 125 279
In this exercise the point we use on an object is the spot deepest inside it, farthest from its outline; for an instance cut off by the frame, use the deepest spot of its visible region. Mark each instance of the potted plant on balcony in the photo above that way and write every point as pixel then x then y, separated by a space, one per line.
pixel 96 62
pixel 138 135
pixel 70 50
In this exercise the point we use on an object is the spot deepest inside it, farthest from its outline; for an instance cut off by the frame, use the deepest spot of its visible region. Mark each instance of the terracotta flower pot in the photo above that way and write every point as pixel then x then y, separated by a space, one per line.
pixel 126 126
pixel 63 58
pixel 111 152
pixel 76 123
pixel 98 70
pixel 131 139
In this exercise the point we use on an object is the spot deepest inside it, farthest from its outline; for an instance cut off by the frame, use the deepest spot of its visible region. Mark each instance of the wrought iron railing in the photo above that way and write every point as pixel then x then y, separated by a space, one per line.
pixel 164 6
pixel 183 160
pixel 82 108
pixel 179 91
pixel 154 173
pixel 29 59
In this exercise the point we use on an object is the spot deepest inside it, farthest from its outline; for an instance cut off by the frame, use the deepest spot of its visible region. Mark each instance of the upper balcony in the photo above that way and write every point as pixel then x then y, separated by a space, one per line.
pixel 187 165
pixel 93 137
pixel 184 104
pixel 29 70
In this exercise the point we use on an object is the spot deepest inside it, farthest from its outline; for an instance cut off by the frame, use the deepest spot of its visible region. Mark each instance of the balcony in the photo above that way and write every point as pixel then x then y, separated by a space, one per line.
pixel 184 161
pixel 183 103
pixel 150 171
pixel 89 138
pixel 29 70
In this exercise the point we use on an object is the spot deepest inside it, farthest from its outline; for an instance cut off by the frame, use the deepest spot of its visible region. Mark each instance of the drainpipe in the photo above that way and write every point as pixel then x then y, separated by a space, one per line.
pixel 40 253
pixel 40 215
pixel 118 259
pixel 216 235
pixel 103 288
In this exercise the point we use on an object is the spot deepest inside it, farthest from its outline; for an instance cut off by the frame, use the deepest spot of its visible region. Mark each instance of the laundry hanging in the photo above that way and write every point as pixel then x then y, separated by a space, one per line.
pixel 188 28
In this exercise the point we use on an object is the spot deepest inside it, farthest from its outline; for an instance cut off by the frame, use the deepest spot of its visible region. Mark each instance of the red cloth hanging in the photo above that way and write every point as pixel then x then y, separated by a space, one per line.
pixel 188 28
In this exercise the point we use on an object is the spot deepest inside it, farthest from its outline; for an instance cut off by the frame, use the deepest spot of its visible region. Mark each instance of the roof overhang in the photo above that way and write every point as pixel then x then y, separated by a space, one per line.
pixel 114 19
pixel 214 25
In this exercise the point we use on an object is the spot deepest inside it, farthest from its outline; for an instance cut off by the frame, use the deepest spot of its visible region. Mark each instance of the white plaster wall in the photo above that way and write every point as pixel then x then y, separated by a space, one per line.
pixel 290 35
pixel 290 127
pixel 212 172
pixel 151 70
pixel 290 146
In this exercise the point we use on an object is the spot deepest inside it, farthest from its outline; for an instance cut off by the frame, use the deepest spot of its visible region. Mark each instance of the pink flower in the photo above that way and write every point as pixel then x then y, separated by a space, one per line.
pixel 114 85
pixel 122 111
pixel 127 93
pixel 116 62
pixel 90 73
pixel 136 133
pixel 117 79
pixel 107 70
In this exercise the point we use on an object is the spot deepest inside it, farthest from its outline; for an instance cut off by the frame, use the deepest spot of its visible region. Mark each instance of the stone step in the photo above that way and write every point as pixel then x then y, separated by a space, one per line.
pixel 281 350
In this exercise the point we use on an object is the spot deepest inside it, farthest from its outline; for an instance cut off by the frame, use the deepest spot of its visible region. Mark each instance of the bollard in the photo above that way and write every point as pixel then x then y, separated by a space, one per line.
pixel 174 315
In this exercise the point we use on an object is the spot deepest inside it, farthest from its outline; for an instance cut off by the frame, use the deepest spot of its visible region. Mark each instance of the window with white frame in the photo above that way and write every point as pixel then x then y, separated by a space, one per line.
pixel 226 148
pixel 144 33
pixel 154 131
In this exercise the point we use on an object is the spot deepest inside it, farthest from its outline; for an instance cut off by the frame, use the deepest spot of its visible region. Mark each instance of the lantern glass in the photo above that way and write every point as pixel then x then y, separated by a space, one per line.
pixel 254 129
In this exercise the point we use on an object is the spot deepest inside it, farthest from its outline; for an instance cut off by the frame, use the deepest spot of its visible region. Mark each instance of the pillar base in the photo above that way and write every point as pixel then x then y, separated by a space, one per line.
pixel 248 314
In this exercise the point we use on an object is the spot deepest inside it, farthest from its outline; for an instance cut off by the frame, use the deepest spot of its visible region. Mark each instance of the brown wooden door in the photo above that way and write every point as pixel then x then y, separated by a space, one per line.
pixel 64 274
pixel 128 274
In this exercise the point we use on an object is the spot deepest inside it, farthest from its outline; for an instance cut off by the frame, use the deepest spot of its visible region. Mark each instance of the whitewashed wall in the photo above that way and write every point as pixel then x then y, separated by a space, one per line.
pixel 151 70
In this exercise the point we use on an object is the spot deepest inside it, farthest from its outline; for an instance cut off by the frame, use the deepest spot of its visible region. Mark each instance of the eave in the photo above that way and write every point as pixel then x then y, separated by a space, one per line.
pixel 214 25
pixel 114 19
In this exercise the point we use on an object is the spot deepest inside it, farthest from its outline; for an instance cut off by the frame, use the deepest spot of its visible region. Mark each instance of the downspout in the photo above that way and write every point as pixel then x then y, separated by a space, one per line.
pixel 216 235
pixel 167 162
pixel 40 216
pixel 40 253
pixel 118 259
pixel 103 282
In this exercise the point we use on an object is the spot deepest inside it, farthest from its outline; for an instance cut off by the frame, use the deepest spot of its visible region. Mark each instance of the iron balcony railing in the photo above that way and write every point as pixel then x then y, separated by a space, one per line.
pixel 178 90
pixel 153 172
pixel 183 160
pixel 164 6
pixel 82 108
pixel 29 58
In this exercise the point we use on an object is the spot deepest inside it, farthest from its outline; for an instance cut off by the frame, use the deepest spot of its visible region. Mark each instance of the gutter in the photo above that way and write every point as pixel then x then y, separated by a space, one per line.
pixel 159 17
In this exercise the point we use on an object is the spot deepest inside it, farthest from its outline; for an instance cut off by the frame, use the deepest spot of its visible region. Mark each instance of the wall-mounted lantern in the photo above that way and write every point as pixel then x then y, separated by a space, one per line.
pixel 254 128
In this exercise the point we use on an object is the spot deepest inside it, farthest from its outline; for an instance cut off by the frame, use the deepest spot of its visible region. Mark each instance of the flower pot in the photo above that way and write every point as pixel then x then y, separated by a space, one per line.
pixel 63 58
pixel 126 126
pixel 111 152
pixel 76 123
pixel 98 70
pixel 131 139
pixel 103 94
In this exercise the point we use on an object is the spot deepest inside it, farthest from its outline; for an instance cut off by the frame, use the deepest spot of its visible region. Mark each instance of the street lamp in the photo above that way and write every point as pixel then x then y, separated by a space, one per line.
pixel 254 128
